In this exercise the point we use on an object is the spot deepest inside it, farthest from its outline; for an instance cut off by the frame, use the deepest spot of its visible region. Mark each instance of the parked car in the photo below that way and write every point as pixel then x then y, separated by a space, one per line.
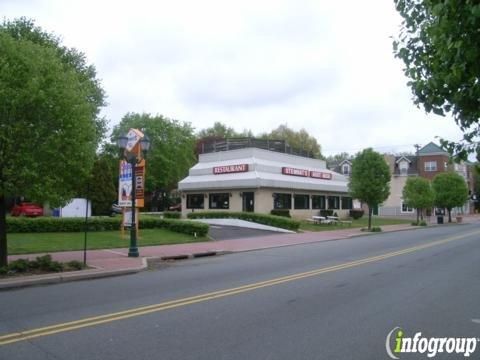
pixel 176 207
pixel 27 209
pixel 116 209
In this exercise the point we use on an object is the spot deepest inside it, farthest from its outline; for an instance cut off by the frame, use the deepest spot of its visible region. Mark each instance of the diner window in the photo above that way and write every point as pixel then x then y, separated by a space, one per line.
pixel 318 202
pixel 219 201
pixel 195 201
pixel 346 203
pixel 301 202
pixel 334 202
pixel 406 208
pixel 430 166
pixel 282 201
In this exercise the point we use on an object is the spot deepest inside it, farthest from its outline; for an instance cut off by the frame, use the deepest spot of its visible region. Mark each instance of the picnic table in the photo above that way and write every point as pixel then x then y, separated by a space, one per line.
pixel 318 219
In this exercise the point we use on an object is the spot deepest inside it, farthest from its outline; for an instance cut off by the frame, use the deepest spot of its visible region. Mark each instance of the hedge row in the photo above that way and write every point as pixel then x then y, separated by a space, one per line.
pixel 172 215
pixel 50 224
pixel 280 212
pixel 271 220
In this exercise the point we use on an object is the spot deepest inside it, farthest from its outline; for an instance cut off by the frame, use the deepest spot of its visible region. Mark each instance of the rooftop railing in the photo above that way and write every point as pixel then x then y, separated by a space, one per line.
pixel 281 146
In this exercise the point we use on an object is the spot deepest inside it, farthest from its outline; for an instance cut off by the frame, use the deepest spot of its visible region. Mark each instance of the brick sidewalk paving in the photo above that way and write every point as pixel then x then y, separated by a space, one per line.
pixel 113 259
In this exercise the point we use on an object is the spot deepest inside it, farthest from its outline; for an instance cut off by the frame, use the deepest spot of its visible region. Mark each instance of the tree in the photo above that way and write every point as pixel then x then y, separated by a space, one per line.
pixel 418 194
pixel 48 118
pixel 299 140
pixel 102 184
pixel 172 152
pixel 338 157
pixel 439 44
pixel 219 130
pixel 369 180
pixel 450 191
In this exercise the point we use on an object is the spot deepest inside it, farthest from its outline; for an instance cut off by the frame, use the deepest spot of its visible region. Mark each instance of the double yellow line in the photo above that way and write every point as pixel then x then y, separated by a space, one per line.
pixel 102 319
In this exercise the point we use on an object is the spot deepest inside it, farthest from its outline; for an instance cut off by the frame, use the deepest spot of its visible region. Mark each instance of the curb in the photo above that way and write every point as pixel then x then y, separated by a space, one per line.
pixel 193 256
pixel 57 278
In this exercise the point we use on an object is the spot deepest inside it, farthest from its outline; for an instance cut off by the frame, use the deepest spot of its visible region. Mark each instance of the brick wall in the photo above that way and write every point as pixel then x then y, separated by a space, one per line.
pixel 440 160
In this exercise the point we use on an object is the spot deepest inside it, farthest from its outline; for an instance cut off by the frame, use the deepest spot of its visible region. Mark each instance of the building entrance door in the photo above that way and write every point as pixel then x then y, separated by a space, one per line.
pixel 248 201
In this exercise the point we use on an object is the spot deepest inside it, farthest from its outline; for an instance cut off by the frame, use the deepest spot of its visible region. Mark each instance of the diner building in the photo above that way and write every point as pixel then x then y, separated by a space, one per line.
pixel 259 176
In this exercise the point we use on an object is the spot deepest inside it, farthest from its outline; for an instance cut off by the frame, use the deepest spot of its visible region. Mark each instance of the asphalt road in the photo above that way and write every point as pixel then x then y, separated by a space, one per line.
pixel 221 232
pixel 331 300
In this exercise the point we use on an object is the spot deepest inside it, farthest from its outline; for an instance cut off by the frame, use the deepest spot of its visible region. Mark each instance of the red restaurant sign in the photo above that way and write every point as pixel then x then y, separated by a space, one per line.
pixel 230 169
pixel 294 172
pixel 320 175
pixel 306 173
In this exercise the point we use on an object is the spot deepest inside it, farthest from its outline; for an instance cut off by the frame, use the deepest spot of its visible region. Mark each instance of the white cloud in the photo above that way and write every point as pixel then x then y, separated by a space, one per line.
pixel 325 66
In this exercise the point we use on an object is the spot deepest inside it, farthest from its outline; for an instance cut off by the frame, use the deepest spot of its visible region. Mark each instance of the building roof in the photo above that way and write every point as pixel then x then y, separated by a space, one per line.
pixel 432 149
pixel 264 169
pixel 412 164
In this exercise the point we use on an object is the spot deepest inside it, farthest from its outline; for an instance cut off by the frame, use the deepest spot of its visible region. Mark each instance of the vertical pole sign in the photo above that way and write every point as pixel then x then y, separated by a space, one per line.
pixel 126 171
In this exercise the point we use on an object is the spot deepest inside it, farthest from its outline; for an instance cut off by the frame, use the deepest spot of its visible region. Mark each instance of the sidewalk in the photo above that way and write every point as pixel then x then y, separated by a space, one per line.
pixel 110 262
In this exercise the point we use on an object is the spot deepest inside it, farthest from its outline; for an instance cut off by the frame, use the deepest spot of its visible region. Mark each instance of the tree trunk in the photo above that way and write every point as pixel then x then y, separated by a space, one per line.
pixel 370 210
pixel 3 231
pixel 418 215
pixel 421 214
pixel 449 215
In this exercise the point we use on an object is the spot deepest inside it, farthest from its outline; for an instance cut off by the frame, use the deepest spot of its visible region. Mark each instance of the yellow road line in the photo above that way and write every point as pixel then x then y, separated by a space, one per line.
pixel 102 319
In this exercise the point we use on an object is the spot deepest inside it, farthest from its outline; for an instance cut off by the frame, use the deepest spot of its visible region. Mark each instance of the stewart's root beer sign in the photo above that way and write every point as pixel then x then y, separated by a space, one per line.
pixel 306 173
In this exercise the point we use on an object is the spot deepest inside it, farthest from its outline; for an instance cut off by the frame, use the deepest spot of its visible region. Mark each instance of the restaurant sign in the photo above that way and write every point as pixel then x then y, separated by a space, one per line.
pixel 320 175
pixel 306 173
pixel 228 169
pixel 295 172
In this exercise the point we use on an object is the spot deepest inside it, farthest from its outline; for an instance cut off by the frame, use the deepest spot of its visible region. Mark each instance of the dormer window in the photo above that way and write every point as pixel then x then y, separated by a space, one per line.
pixel 403 164
pixel 345 169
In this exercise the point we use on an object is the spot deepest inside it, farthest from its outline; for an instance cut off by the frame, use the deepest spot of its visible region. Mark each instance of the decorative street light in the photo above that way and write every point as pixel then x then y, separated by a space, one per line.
pixel 133 160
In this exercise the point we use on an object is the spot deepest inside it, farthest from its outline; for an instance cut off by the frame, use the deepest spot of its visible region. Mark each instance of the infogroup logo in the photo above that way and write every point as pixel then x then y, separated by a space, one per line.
pixel 429 346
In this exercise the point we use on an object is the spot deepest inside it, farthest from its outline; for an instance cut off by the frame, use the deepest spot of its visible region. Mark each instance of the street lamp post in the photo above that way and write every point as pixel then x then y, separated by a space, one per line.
pixel 133 160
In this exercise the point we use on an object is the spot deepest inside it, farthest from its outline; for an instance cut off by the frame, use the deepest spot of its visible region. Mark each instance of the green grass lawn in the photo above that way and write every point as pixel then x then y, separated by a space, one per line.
pixel 359 223
pixel 29 243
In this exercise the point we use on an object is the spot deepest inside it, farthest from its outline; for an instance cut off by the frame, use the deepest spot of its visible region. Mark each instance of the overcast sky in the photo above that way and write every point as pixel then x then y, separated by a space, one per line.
pixel 326 66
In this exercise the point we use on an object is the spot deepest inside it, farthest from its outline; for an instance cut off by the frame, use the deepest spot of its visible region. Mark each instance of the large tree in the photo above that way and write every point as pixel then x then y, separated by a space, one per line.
pixel 439 44
pixel 299 140
pixel 172 152
pixel 370 180
pixel 450 191
pixel 101 186
pixel 49 105
pixel 418 193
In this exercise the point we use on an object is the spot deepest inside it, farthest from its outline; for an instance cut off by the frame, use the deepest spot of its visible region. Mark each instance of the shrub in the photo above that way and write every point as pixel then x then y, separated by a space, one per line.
pixel 172 215
pixel 374 229
pixel 3 270
pixel 280 212
pixel 42 262
pixel 356 213
pixel 75 265
pixel 326 212
pixel 48 224
pixel 270 220
pixel 420 223
pixel 19 265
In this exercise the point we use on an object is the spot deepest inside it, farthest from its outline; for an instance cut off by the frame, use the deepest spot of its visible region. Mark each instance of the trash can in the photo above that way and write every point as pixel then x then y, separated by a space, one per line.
pixel 439 219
